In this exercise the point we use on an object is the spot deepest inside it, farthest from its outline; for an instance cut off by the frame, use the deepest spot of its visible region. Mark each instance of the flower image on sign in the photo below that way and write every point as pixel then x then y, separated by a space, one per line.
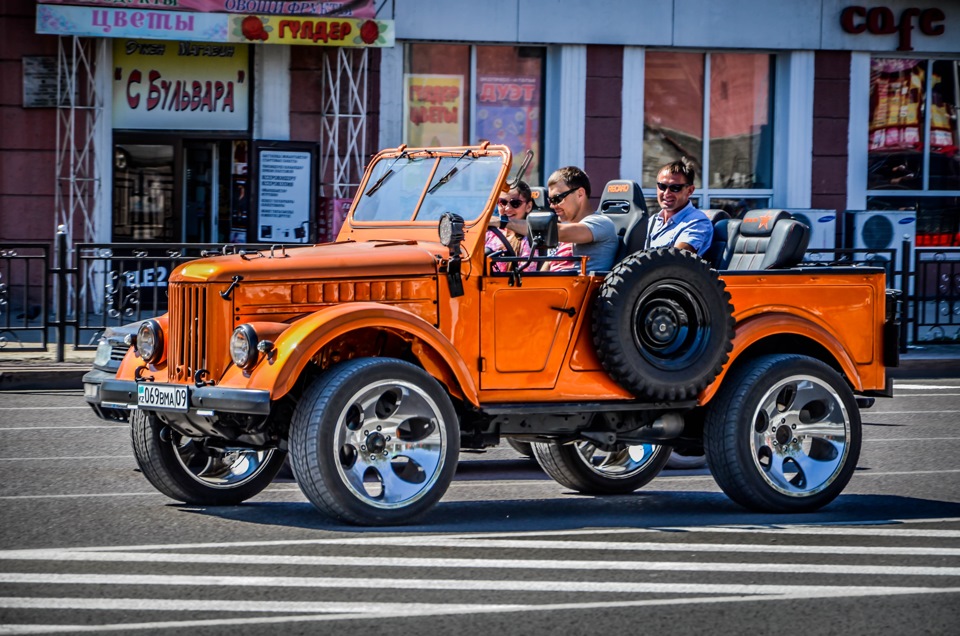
pixel 55 19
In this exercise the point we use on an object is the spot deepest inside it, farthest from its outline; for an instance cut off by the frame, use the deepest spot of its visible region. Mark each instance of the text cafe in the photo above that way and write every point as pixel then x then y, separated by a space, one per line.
pixel 189 104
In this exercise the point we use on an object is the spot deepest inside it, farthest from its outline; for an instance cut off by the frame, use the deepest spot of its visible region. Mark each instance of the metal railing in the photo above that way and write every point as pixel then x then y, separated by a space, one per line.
pixel 70 296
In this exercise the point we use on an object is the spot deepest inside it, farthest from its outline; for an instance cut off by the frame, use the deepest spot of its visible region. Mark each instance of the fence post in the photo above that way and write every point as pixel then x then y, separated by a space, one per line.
pixel 60 274
pixel 905 274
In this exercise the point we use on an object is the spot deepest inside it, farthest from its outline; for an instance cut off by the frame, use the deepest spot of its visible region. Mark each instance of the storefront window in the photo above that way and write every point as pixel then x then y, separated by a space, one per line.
pixel 736 165
pixel 457 94
pixel 913 159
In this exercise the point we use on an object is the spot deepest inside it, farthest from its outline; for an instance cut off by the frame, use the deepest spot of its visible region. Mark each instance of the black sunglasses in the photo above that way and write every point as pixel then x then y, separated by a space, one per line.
pixel 557 198
pixel 514 203
pixel 674 187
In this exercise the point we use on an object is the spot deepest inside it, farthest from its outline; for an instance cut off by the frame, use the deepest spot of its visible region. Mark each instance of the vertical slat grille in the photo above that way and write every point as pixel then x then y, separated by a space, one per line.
pixel 187 349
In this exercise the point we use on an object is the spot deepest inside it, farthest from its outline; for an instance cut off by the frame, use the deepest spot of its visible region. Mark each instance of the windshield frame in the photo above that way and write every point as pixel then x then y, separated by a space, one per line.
pixel 444 160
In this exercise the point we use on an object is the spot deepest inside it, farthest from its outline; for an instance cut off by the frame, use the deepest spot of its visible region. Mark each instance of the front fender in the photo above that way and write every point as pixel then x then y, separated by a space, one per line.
pixel 756 328
pixel 294 348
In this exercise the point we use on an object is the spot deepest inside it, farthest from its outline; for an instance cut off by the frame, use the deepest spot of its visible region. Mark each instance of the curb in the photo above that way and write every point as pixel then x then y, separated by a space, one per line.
pixel 42 378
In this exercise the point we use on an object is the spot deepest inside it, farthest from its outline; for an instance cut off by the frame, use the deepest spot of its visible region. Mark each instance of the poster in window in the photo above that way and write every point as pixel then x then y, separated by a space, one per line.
pixel 508 112
pixel 433 110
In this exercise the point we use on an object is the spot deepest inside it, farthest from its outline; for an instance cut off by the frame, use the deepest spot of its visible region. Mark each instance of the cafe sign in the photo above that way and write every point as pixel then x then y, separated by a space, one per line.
pixel 883 21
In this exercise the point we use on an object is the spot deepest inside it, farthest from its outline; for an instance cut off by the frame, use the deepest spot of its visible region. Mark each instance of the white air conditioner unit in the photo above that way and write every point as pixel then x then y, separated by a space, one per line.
pixel 875 230
pixel 823 233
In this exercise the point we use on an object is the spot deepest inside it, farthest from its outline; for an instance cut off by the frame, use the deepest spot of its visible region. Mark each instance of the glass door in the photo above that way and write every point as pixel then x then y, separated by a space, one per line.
pixel 143 201
pixel 208 191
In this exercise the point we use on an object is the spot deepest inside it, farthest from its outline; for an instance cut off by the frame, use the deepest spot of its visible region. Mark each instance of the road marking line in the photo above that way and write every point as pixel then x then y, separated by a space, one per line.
pixel 43 408
pixel 914 439
pixel 216 605
pixel 46 459
pixel 519 564
pixel 358 583
pixel 473 542
pixel 55 428
pixel 897 385
pixel 871 413
pixel 442 610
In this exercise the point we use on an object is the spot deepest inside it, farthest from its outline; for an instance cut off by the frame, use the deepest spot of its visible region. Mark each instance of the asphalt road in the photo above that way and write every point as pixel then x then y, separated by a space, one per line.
pixel 86 545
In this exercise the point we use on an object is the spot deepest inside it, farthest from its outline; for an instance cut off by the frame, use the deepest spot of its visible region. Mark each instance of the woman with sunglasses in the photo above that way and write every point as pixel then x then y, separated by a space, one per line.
pixel 515 205
pixel 581 232
pixel 678 224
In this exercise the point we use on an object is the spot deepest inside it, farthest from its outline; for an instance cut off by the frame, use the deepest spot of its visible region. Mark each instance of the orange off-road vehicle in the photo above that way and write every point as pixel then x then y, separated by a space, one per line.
pixel 373 360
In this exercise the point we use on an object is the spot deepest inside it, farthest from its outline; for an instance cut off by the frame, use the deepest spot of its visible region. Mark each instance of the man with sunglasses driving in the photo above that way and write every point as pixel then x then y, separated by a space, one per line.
pixel 581 232
pixel 678 224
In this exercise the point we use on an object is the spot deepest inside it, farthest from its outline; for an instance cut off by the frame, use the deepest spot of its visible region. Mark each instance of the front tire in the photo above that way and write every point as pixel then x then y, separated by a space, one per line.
pixel 374 441
pixel 783 434
pixel 585 467
pixel 184 469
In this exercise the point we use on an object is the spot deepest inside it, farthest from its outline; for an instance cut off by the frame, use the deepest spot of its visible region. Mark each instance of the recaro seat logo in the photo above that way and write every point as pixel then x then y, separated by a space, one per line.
pixel 618 187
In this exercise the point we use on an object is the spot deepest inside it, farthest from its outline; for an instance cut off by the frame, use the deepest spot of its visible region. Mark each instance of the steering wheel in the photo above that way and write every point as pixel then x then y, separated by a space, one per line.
pixel 508 249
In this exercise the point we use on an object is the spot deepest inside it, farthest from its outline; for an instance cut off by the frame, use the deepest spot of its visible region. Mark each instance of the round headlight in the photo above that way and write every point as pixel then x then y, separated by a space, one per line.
pixel 243 347
pixel 150 341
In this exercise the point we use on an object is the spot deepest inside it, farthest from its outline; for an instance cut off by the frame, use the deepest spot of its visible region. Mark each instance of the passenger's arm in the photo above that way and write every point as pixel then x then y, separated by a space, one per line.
pixel 574 233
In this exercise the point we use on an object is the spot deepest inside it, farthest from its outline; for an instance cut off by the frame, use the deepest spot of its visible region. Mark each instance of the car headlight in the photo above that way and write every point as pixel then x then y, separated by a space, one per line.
pixel 243 347
pixel 150 341
pixel 102 358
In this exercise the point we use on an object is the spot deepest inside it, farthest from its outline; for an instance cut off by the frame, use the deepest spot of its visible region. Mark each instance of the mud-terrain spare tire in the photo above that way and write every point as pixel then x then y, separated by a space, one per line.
pixel 663 324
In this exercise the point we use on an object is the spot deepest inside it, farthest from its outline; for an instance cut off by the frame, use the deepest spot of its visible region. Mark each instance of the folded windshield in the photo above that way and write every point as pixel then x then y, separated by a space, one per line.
pixel 460 184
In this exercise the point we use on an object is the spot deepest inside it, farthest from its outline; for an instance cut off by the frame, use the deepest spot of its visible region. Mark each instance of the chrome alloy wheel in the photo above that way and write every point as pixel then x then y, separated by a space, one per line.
pixel 801 433
pixel 389 443
pixel 622 463
pixel 227 468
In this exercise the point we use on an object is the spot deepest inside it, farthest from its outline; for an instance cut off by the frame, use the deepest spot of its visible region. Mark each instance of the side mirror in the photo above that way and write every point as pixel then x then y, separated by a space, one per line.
pixel 542 229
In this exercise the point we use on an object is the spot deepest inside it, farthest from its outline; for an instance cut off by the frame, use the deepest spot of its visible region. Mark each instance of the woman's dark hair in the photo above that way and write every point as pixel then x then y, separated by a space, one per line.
pixel 524 190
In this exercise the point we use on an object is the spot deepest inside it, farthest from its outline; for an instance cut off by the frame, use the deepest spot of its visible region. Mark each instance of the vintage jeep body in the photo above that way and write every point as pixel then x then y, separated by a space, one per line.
pixel 373 360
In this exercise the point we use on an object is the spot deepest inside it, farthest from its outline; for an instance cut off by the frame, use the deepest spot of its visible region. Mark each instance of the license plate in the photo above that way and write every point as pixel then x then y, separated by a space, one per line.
pixel 161 396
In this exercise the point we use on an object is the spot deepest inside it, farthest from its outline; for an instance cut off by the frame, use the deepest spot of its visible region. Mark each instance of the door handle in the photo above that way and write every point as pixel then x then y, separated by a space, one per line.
pixel 570 311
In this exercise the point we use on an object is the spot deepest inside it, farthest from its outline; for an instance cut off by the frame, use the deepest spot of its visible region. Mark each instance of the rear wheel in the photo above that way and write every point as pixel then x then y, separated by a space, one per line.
pixel 374 441
pixel 190 471
pixel 585 467
pixel 783 434
pixel 524 448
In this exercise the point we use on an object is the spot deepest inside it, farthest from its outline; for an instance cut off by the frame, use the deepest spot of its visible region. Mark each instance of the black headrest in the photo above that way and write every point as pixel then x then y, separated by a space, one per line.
pixel 539 196
pixel 761 222
pixel 622 196
pixel 716 215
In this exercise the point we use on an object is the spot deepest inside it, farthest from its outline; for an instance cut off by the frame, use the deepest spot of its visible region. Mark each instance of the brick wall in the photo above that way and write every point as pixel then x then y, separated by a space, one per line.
pixel 831 114
pixel 603 116
pixel 28 137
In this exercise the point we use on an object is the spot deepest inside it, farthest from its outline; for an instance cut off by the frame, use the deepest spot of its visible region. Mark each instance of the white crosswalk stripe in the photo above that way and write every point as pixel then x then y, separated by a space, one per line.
pixel 613 568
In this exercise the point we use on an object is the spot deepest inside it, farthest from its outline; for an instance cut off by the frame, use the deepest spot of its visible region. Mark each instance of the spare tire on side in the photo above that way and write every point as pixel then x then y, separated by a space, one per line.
pixel 663 324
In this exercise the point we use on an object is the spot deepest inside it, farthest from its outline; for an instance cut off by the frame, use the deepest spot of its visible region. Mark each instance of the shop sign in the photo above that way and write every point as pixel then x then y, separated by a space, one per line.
pixel 882 21
pixel 433 109
pixel 341 8
pixel 213 27
pixel 180 85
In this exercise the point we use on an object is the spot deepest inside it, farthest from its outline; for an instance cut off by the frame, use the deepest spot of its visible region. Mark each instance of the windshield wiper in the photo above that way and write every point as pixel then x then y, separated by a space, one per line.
pixel 445 178
pixel 381 180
